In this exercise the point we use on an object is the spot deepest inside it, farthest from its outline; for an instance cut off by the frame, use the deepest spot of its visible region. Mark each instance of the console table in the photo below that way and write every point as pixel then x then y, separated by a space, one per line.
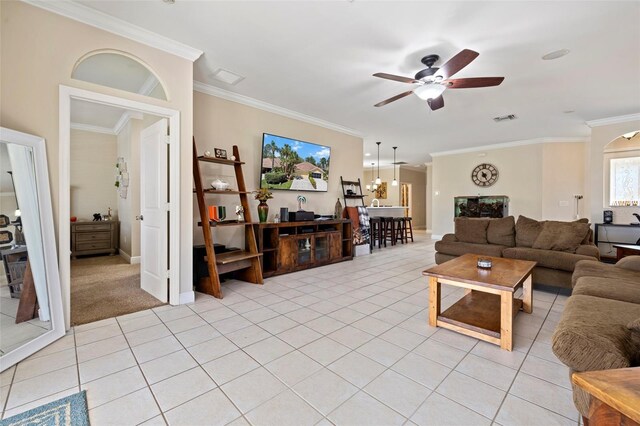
pixel 293 246
pixel 614 233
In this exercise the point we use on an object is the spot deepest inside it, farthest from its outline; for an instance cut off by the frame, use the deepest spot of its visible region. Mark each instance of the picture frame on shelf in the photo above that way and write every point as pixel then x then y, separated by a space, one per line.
pixel 220 153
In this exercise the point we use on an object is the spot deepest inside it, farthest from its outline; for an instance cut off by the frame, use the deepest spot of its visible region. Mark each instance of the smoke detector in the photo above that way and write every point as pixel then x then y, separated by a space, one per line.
pixel 505 117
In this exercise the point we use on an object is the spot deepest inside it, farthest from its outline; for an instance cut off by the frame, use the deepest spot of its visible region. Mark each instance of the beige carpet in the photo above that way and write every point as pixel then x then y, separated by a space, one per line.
pixel 104 287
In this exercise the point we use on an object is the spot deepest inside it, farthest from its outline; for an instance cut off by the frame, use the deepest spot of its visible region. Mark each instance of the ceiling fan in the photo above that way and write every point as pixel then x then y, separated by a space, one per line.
pixel 433 81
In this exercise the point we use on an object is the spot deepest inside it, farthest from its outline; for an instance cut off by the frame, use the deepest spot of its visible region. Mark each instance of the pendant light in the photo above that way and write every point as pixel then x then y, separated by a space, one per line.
pixel 378 180
pixel 395 182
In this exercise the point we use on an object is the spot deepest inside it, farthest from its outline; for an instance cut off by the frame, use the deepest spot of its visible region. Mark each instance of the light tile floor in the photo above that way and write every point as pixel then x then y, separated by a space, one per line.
pixel 345 344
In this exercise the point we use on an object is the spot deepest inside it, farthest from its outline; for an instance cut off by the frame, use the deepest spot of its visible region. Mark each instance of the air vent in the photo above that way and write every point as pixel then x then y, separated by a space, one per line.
pixel 400 163
pixel 505 117
pixel 227 76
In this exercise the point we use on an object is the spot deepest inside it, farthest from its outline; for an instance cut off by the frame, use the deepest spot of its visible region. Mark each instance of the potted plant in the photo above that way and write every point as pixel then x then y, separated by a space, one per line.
pixel 262 195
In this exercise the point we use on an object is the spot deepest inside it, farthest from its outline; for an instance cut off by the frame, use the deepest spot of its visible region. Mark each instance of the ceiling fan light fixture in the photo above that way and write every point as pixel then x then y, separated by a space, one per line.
pixel 429 91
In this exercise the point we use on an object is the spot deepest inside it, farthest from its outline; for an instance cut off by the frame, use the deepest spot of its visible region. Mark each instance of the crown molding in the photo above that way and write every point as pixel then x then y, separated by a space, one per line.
pixel 613 120
pixel 95 18
pixel 208 89
pixel 92 128
pixel 124 119
pixel 509 145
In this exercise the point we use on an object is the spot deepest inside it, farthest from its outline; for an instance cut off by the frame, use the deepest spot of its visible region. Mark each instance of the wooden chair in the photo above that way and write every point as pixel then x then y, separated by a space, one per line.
pixel 376 232
pixel 389 231
pixel 408 229
pixel 400 230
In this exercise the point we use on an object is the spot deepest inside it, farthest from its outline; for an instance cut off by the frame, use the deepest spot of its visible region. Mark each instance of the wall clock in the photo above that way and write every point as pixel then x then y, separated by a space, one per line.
pixel 484 175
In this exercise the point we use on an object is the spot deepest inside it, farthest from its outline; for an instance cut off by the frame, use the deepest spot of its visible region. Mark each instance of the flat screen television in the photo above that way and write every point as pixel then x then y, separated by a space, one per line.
pixel 293 165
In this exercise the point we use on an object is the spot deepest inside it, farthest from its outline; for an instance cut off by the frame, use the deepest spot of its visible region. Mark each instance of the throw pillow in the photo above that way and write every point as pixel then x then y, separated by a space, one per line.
pixel 502 231
pixel 561 236
pixel 527 231
pixel 470 230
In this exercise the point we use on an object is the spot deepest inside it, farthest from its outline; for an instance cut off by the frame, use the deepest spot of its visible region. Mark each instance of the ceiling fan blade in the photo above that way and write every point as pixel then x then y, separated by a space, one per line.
pixel 394 98
pixel 468 83
pixel 395 77
pixel 436 103
pixel 456 63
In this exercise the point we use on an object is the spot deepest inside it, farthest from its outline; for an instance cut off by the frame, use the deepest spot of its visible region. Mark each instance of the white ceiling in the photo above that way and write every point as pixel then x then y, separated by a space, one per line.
pixel 317 58
pixel 94 114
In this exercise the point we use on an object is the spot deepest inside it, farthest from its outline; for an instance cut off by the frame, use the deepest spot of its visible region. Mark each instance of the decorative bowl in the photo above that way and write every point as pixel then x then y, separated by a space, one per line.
pixel 484 263
pixel 220 185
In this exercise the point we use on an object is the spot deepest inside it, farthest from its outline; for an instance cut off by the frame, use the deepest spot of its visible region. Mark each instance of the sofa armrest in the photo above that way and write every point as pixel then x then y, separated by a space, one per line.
pixel 630 262
pixel 449 238
pixel 588 250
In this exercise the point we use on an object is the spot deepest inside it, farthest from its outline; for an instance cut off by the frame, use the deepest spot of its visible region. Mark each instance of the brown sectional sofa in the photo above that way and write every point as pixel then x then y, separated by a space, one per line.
pixel 600 325
pixel 555 246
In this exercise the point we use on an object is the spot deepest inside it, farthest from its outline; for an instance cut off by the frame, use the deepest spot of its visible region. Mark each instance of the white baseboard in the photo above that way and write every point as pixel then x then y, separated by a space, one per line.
pixel 187 297
pixel 132 260
pixel 124 255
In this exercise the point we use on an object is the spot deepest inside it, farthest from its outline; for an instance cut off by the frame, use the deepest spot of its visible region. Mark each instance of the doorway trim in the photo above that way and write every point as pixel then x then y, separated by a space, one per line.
pixel 64 181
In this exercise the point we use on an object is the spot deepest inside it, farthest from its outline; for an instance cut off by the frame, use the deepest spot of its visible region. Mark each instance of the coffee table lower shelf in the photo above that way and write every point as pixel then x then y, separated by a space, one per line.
pixel 477 315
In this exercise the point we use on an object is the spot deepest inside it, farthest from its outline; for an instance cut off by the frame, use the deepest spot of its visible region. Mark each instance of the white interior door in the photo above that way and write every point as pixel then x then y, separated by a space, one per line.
pixel 154 225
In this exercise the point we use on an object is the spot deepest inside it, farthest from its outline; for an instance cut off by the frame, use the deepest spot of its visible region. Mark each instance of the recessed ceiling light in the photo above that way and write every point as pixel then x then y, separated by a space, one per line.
pixel 569 111
pixel 368 154
pixel 169 1
pixel 556 54
pixel 227 76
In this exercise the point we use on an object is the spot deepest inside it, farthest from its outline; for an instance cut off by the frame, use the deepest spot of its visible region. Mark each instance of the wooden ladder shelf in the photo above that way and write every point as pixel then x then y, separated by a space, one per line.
pixel 245 263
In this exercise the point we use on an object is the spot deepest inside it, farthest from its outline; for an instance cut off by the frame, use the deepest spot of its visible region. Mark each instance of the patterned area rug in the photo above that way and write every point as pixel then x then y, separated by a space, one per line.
pixel 68 411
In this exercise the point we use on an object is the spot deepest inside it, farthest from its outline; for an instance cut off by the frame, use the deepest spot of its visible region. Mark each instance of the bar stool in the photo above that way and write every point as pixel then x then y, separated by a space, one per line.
pixel 376 231
pixel 399 225
pixel 389 232
pixel 408 229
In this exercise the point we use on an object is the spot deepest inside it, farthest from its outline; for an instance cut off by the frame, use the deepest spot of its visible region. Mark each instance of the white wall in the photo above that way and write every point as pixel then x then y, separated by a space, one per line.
pixel 93 160
pixel 563 174
pixel 221 123
pixel 600 137
pixel 29 95
pixel 535 177
pixel 386 174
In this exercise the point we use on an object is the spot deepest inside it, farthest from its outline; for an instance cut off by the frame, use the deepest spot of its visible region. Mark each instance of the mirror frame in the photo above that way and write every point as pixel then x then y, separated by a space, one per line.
pixel 37 144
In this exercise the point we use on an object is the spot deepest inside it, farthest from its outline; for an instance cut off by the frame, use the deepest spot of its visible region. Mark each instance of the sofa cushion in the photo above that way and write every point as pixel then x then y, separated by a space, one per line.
pixel 609 288
pixel 589 250
pixel 630 263
pixel 459 248
pixel 561 236
pixel 593 335
pixel 527 231
pixel 502 231
pixel 546 258
pixel 470 230
pixel 593 268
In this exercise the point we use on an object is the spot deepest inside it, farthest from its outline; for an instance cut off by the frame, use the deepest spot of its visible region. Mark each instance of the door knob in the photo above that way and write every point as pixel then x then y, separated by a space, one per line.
pixel 140 217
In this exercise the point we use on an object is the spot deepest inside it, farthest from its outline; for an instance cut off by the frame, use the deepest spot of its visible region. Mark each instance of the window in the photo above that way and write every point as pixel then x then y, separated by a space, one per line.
pixel 624 181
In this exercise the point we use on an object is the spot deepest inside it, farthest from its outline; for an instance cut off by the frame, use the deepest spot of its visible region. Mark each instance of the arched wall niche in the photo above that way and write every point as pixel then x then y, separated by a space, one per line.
pixel 119 70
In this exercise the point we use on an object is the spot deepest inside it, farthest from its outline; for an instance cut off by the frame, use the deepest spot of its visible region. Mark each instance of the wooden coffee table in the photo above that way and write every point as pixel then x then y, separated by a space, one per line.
pixel 487 310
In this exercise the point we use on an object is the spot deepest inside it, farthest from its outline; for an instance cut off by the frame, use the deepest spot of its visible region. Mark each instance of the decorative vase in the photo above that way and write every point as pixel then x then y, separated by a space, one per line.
pixel 263 211
pixel 338 211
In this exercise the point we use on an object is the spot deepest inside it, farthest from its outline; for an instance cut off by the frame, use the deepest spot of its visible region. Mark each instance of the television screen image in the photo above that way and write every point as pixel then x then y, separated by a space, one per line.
pixel 294 165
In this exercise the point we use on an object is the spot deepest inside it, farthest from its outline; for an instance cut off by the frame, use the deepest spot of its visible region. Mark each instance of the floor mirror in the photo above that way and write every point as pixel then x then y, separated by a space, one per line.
pixel 31 313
